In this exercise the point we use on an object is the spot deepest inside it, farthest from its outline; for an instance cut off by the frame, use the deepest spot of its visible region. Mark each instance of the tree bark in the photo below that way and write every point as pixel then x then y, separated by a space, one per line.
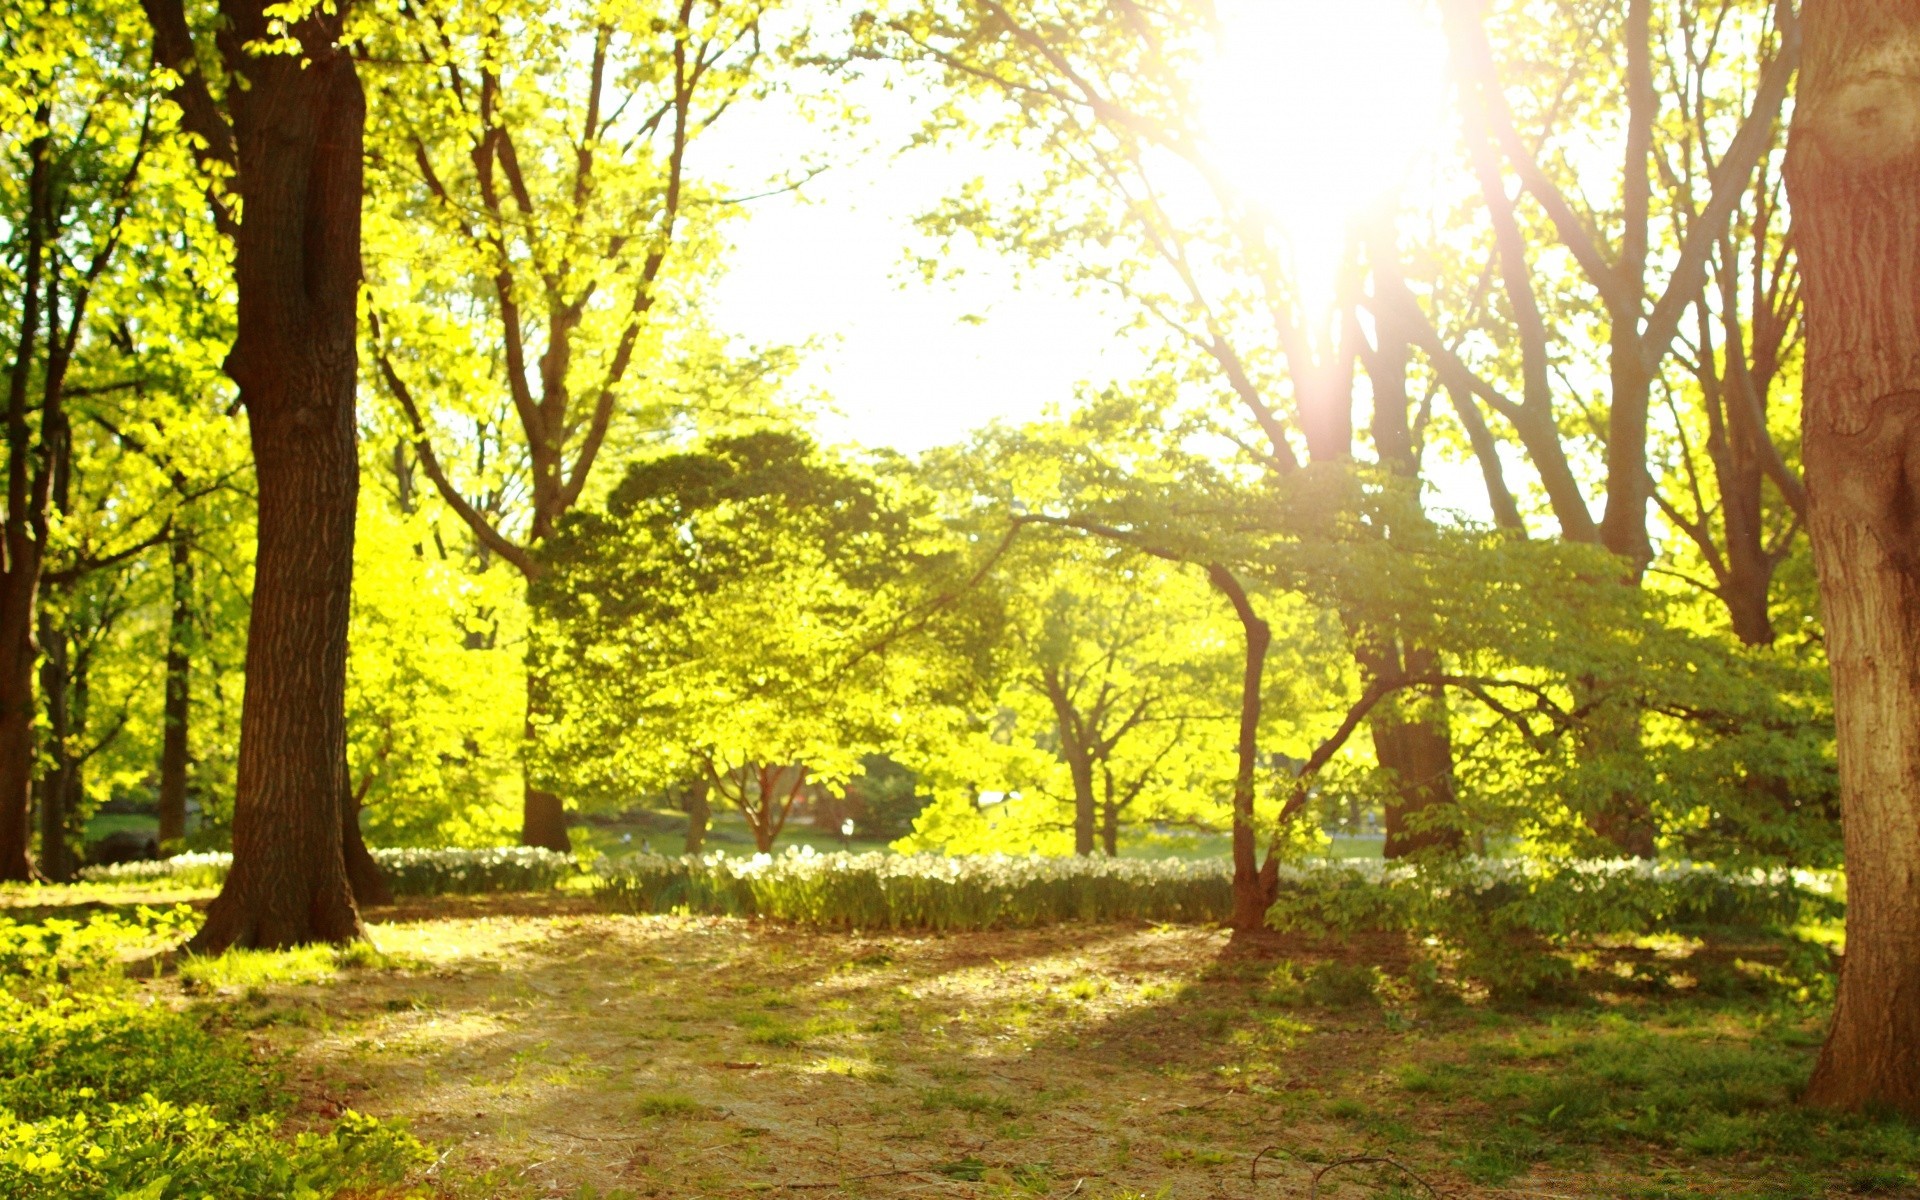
pixel 177 703
pixel 297 122
pixel 1253 891
pixel 1079 758
pixel 20 579
pixel 56 859
pixel 699 813
pixel 1853 169
pixel 1413 740
pixel 543 820
pixel 543 815
pixel 363 874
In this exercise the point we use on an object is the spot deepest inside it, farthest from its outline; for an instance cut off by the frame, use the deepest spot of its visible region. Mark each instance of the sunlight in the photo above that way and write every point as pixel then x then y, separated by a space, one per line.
pixel 1319 111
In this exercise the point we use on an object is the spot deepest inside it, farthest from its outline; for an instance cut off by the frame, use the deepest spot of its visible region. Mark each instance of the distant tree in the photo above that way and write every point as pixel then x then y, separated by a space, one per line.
pixel 743 615
pixel 1114 700
pixel 539 224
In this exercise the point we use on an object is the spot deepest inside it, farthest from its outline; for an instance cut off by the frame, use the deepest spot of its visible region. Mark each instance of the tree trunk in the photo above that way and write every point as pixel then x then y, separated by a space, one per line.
pixel 1079 759
pixel 1853 169
pixel 17 653
pixel 56 859
pixel 1110 829
pixel 177 703
pixel 20 578
pixel 363 874
pixel 543 821
pixel 1413 740
pixel 297 124
pixel 543 815
pixel 699 813
pixel 1253 890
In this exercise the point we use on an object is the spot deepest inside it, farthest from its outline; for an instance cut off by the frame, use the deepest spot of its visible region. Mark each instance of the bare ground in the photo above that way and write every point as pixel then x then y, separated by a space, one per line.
pixel 551 1051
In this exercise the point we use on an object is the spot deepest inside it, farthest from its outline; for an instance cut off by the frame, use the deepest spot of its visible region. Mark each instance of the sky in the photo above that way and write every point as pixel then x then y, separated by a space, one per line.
pixel 909 364
pixel 905 363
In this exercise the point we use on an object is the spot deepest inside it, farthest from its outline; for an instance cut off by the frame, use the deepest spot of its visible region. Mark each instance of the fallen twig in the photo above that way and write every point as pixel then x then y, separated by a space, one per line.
pixel 1359 1160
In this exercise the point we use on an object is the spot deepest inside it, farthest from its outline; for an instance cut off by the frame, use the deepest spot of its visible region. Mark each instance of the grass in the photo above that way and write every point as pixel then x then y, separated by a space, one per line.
pixel 581 1054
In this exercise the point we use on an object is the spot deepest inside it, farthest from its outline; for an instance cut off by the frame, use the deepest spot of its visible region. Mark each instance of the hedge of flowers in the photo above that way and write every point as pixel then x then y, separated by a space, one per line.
pixel 921 891
pixel 1506 917
pixel 409 872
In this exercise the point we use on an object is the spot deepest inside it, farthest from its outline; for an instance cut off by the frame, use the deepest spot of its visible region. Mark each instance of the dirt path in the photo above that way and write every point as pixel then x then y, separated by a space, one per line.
pixel 584 1055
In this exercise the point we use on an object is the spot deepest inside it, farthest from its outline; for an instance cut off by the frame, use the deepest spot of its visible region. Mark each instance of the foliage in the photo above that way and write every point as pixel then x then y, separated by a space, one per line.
pixel 435 685
pixel 739 609
pixel 409 872
pixel 106 1095
pixel 154 1150
pixel 1506 917
pixel 882 891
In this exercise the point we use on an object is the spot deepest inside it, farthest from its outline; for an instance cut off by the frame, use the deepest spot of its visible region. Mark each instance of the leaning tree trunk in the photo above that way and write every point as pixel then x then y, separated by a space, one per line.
pixel 1253 887
pixel 177 701
pixel 1853 170
pixel 298 125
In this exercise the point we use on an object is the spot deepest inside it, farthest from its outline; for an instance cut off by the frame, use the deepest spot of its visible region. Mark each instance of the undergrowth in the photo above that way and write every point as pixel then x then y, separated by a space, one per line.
pixel 107 1093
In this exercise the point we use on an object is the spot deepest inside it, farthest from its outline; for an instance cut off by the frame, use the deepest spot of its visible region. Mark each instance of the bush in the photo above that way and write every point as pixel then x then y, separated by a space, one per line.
pixel 152 1149
pixel 1504 916
pixel 885 891
pixel 105 1095
pixel 409 872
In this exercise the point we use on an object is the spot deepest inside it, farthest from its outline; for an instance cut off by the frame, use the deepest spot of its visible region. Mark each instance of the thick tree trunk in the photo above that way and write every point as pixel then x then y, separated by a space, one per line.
pixel 298 125
pixel 177 702
pixel 1853 170
pixel 20 578
pixel 543 815
pixel 543 821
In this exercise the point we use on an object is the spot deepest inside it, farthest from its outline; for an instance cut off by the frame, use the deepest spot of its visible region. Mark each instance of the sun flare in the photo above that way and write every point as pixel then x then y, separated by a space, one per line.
pixel 1317 112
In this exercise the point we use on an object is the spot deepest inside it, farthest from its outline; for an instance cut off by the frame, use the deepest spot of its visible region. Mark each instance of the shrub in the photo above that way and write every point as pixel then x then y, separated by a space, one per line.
pixel 1504 915
pixel 105 1095
pixel 883 891
pixel 153 1149
pixel 409 872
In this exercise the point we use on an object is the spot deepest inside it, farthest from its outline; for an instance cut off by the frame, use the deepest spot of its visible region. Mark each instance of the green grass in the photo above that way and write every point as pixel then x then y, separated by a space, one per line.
pixel 106 1093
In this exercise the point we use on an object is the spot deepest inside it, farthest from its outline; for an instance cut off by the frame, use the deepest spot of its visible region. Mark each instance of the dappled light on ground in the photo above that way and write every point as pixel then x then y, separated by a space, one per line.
pixel 578 1055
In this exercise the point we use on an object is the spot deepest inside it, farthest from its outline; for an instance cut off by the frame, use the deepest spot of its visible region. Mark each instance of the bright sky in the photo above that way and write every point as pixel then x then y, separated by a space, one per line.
pixel 906 363
pixel 912 364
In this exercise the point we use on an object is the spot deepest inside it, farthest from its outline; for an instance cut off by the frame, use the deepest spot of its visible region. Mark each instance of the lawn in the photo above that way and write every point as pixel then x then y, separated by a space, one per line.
pixel 543 1048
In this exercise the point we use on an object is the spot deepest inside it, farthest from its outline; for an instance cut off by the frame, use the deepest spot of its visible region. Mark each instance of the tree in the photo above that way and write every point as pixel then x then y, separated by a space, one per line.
pixel 76 116
pixel 1131 194
pixel 744 615
pixel 434 683
pixel 534 212
pixel 280 131
pixel 1112 705
pixel 1852 168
